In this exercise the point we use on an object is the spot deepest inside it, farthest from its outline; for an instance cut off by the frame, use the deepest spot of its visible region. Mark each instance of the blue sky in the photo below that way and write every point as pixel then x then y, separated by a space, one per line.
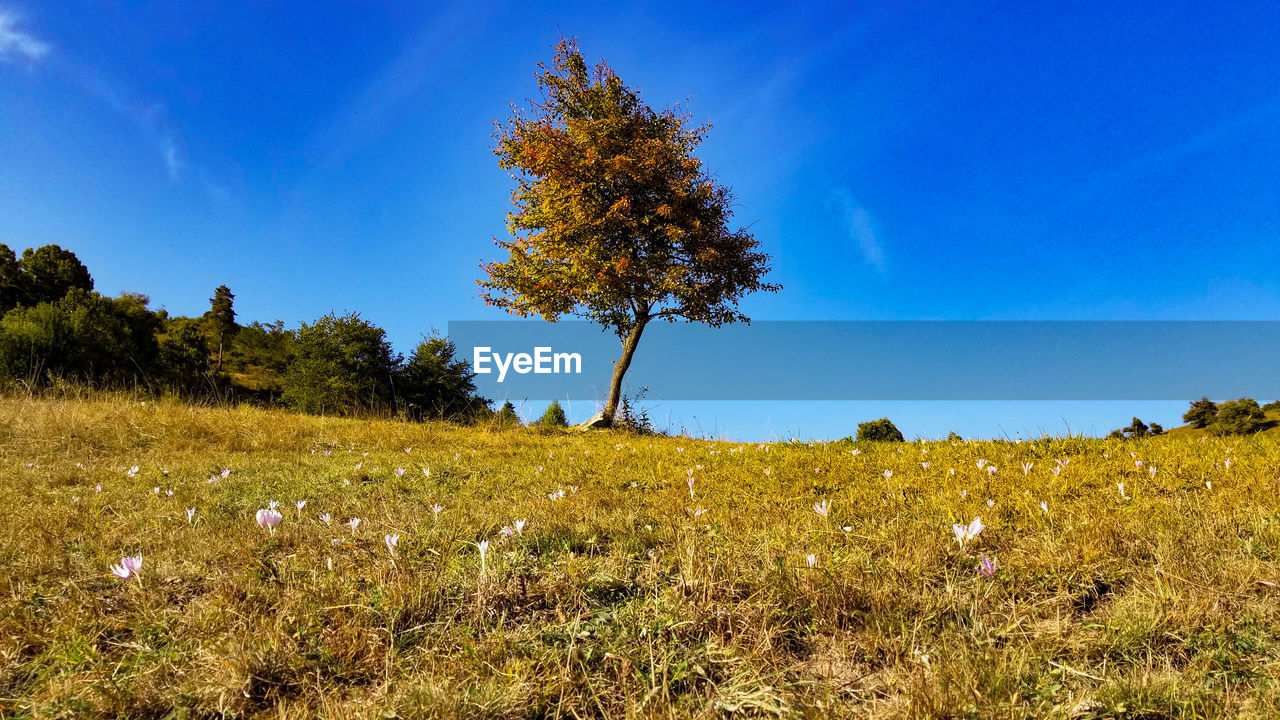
pixel 900 161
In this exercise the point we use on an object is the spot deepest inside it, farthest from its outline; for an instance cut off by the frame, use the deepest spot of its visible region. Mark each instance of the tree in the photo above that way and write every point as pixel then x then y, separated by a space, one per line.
pixel 615 220
pixel 222 318
pixel 506 415
pixel 1239 417
pixel 50 272
pixel 553 417
pixel 184 357
pixel 434 383
pixel 341 365
pixel 12 288
pixel 1202 413
pixel 882 430
pixel 83 336
pixel 1273 406
pixel 1137 429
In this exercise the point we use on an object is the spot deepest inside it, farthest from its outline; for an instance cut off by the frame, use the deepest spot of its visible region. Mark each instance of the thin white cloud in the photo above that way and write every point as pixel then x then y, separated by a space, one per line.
pixel 16 45
pixel 861 226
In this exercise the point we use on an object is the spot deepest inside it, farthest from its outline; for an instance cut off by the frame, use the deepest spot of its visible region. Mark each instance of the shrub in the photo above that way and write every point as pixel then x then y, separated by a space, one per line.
pixel 434 383
pixel 1202 413
pixel 506 415
pixel 1273 406
pixel 1239 417
pixel 882 430
pixel 553 417
pixel 342 365
pixel 1137 429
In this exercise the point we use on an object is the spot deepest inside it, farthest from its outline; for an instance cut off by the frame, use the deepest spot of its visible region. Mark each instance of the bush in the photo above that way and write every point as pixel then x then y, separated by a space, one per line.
pixel 1202 413
pixel 506 415
pixel 1137 429
pixel 882 430
pixel 342 365
pixel 554 417
pixel 436 384
pixel 1239 417
pixel 1273 406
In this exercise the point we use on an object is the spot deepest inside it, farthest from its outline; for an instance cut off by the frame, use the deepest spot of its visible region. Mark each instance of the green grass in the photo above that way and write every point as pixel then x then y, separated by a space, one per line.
pixel 617 601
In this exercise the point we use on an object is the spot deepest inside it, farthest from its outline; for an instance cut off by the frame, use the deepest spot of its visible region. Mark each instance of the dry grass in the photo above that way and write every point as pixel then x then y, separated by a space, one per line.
pixel 617 601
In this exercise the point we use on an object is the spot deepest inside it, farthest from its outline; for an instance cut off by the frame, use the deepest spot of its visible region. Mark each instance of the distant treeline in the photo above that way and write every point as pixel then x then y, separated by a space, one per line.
pixel 54 328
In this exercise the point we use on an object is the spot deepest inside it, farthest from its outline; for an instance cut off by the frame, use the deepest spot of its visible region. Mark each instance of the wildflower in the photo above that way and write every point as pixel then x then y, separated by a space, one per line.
pixel 435 511
pixel 855 453
pixel 168 493
pixel 391 541
pixel 271 504
pixel 1057 471
pixel 427 472
pixel 133 471
pixel 1121 486
pixel 1044 506
pixel 696 512
pixel 964 494
pixel 483 546
pixel 1137 464
pixel 353 523
pixel 811 559
pixel 130 566
pixel 982 464
pixel 1208 484
pixel 768 472
pixel 991 503
pixel 1227 463
pixel 519 526
pixel 1026 467
pixel 225 472
pixel 823 508
pixel 888 474
pixel 508 532
pixel 191 512
pixel 299 504
pixel 991 469
pixel 268 519
pixel 399 472
pixel 155 491
pixel 964 534
pixel 325 518
pixel 1152 470
pixel 408 450
pixel 987 566
pixel 1063 462
pixel 924 466
pixel 98 488
pixel 691 485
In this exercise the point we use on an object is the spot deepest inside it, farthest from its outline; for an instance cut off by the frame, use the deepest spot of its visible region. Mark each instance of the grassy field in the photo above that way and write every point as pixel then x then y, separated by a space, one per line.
pixel 628 592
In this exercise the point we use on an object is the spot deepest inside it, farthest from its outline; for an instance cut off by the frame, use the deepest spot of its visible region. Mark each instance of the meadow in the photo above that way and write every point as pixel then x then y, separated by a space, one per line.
pixel 623 575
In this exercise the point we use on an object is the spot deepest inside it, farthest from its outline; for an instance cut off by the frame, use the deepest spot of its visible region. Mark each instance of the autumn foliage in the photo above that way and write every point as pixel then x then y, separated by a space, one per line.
pixel 615 219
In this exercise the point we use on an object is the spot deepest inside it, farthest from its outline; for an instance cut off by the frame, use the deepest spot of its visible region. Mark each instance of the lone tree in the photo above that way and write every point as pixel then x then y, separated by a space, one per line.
pixel 615 220
pixel 222 317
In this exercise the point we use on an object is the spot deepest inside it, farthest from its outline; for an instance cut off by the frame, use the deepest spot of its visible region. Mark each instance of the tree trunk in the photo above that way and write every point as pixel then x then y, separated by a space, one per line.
pixel 620 370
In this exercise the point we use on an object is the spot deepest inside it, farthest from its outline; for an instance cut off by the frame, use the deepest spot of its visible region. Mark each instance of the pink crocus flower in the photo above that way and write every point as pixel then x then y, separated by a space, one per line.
pixel 399 472
pixel 1026 467
pixel 987 566
pixel 326 518
pixel 191 513
pixel 130 566
pixel 966 533
pixel 811 559
pixel 1057 471
pixel 391 541
pixel 268 518
pixel 822 507
pixel 299 504
pixel 353 523
pixel 888 474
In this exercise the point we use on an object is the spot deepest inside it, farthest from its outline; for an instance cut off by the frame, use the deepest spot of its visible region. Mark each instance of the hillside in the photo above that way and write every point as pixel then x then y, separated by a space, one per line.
pixel 1191 432
pixel 651 577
